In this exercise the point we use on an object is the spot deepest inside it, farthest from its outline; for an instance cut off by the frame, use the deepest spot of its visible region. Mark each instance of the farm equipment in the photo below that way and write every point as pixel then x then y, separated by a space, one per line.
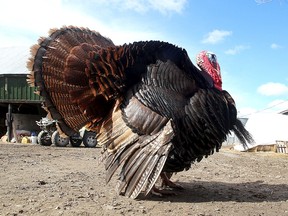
pixel 49 135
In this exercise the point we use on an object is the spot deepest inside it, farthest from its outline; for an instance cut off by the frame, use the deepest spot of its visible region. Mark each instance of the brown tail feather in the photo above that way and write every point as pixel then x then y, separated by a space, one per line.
pixel 59 71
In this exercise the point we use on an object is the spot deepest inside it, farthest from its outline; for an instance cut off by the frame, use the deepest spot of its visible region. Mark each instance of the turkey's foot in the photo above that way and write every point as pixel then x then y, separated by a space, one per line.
pixel 161 192
pixel 166 182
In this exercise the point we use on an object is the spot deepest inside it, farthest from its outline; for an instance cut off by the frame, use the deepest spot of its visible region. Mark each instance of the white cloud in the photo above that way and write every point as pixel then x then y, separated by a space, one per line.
pixel 38 16
pixel 275 46
pixel 168 5
pixel 273 89
pixel 262 1
pixel 29 14
pixel 216 36
pixel 236 50
pixel 141 6
pixel 33 18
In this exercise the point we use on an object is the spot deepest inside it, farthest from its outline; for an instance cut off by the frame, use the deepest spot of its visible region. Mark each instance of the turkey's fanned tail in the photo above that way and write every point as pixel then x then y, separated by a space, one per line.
pixel 59 70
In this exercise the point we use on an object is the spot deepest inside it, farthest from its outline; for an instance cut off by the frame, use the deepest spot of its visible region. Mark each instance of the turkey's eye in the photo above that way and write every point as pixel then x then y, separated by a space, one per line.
pixel 212 57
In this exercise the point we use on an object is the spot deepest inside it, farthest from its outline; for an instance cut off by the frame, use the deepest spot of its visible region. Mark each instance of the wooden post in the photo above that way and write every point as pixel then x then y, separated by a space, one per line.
pixel 9 122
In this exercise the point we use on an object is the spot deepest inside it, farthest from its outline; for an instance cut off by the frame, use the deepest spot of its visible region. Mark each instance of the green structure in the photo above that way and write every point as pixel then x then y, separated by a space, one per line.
pixel 14 89
pixel 19 105
pixel 16 97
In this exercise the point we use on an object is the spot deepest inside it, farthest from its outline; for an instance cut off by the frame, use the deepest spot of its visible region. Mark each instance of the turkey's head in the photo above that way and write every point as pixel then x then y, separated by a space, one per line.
pixel 208 63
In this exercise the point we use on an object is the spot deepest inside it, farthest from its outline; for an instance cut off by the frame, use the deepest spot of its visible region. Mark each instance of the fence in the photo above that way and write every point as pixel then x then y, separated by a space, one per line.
pixel 282 146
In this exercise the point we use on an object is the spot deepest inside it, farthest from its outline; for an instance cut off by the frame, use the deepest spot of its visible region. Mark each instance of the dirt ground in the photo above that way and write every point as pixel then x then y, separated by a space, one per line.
pixel 38 180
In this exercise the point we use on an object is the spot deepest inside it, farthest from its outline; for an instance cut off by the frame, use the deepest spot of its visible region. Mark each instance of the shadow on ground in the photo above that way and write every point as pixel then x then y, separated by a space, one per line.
pixel 202 191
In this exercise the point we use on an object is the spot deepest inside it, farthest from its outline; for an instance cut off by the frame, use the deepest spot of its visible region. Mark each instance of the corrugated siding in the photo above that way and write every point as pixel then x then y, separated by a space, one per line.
pixel 14 88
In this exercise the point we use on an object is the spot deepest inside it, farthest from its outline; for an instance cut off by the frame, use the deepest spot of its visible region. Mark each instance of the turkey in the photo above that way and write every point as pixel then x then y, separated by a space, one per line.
pixel 154 112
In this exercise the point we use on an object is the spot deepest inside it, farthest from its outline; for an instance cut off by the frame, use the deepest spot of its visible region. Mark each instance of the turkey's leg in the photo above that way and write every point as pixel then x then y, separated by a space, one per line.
pixel 160 192
pixel 166 182
pixel 166 187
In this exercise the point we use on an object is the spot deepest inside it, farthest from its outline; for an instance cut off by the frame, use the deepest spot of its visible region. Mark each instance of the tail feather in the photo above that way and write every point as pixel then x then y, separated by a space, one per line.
pixel 242 134
pixel 235 124
pixel 59 71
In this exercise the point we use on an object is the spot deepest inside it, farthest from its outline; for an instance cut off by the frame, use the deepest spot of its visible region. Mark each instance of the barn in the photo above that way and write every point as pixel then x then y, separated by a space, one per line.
pixel 20 107
pixel 269 131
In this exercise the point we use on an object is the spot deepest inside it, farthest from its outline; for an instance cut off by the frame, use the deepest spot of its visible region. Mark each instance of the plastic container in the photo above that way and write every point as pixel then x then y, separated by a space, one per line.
pixel 33 138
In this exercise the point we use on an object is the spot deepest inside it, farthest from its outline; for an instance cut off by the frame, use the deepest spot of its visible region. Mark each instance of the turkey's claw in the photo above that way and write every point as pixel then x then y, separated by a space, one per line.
pixel 166 182
pixel 165 186
pixel 160 193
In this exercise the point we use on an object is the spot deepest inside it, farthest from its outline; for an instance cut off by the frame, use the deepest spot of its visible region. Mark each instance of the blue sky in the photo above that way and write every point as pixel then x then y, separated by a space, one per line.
pixel 250 37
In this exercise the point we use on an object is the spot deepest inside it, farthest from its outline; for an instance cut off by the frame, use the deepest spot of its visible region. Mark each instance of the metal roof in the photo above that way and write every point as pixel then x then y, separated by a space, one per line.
pixel 13 59
pixel 13 71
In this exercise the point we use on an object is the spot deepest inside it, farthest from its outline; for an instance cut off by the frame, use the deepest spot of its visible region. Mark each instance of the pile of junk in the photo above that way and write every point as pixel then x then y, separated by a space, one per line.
pixel 48 135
